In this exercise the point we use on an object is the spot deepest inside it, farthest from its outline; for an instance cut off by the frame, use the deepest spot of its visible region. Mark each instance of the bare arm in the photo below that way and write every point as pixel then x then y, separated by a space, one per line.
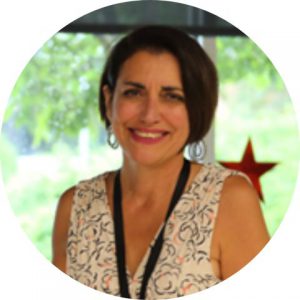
pixel 60 230
pixel 241 232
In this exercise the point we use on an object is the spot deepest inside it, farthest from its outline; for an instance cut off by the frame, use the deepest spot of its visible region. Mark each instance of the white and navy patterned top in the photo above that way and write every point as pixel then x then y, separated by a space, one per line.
pixel 183 266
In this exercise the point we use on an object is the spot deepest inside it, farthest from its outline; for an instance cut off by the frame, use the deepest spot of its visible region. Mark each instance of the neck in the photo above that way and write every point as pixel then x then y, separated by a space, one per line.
pixel 142 183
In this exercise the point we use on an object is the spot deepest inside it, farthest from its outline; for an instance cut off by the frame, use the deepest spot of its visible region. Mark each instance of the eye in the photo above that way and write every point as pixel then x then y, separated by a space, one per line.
pixel 131 93
pixel 174 96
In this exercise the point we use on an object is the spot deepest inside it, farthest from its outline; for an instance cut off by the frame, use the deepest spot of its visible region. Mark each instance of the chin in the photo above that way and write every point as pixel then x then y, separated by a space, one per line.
pixel 143 159
pixel 149 158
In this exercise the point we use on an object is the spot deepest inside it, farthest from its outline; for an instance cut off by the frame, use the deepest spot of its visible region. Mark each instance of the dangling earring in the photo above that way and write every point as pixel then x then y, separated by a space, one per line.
pixel 111 138
pixel 197 151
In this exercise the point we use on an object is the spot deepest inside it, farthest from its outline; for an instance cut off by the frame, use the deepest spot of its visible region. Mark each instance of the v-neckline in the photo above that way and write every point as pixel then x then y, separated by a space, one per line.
pixel 141 264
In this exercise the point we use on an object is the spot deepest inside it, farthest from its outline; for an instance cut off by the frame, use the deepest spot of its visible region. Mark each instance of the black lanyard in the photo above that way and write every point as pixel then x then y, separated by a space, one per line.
pixel 155 250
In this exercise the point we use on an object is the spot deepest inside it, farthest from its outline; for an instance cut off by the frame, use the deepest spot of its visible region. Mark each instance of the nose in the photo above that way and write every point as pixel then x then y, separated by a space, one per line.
pixel 150 111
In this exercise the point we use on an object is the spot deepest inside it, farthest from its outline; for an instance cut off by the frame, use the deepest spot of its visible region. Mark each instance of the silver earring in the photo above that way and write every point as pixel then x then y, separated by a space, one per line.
pixel 111 138
pixel 197 151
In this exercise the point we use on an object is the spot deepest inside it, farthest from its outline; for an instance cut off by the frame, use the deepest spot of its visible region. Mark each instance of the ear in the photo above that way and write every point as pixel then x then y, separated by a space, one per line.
pixel 108 100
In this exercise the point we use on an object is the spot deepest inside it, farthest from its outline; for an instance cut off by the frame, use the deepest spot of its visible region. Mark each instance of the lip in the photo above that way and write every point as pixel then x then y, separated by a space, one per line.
pixel 148 139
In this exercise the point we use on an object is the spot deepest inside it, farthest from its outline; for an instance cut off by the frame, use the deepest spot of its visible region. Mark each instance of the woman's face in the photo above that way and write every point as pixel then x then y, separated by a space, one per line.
pixel 147 109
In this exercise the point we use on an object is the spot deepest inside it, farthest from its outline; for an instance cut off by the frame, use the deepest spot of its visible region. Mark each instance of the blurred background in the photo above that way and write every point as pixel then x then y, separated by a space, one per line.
pixel 52 135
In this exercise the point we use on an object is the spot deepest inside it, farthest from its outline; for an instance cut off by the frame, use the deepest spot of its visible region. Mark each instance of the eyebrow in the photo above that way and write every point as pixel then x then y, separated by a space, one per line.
pixel 171 88
pixel 135 84
pixel 167 88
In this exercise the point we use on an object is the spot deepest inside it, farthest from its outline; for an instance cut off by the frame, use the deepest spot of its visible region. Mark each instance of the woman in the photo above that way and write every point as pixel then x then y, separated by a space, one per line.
pixel 161 226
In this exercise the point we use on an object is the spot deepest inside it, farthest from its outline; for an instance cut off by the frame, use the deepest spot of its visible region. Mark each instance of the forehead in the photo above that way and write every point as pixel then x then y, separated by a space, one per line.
pixel 151 66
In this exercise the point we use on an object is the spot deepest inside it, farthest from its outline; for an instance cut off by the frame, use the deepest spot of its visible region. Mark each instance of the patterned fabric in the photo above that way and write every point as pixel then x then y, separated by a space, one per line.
pixel 183 266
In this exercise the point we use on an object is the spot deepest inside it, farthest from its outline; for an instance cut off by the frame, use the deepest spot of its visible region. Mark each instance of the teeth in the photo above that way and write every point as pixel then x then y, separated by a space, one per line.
pixel 148 134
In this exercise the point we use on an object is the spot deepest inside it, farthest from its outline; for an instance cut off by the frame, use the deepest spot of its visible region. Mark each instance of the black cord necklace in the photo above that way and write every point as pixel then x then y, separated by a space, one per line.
pixel 155 250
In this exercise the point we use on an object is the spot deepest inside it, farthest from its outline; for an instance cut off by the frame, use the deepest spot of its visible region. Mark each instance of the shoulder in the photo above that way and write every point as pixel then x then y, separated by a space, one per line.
pixel 239 201
pixel 61 227
pixel 240 228
pixel 236 194
pixel 238 186
pixel 92 183
pixel 65 201
pixel 63 210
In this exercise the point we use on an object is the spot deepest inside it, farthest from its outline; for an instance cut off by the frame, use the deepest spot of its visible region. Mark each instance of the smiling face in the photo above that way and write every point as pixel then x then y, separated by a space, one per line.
pixel 147 108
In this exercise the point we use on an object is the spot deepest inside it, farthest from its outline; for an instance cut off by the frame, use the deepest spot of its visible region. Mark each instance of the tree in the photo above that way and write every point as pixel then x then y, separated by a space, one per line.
pixel 57 92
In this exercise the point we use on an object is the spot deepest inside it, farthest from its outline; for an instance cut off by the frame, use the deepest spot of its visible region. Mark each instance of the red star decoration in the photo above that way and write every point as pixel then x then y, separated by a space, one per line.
pixel 249 166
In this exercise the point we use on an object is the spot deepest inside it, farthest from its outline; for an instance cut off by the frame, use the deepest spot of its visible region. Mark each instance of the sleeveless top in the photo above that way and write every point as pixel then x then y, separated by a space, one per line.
pixel 183 266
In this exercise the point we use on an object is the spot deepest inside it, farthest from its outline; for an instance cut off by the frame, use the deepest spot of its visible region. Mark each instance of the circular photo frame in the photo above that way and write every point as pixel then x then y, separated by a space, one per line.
pixel 52 137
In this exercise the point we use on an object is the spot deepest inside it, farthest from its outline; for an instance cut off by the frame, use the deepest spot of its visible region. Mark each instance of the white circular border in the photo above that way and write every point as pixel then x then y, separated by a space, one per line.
pixel 26 25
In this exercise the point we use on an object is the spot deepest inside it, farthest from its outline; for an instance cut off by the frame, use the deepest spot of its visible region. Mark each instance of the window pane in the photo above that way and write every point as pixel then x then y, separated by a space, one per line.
pixel 52 136
pixel 255 104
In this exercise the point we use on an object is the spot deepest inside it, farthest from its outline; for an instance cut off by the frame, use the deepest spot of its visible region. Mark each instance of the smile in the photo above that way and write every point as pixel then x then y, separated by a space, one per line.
pixel 147 136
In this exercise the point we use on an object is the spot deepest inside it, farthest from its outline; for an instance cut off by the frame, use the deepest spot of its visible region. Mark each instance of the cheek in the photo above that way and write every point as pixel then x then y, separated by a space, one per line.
pixel 123 111
pixel 180 118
